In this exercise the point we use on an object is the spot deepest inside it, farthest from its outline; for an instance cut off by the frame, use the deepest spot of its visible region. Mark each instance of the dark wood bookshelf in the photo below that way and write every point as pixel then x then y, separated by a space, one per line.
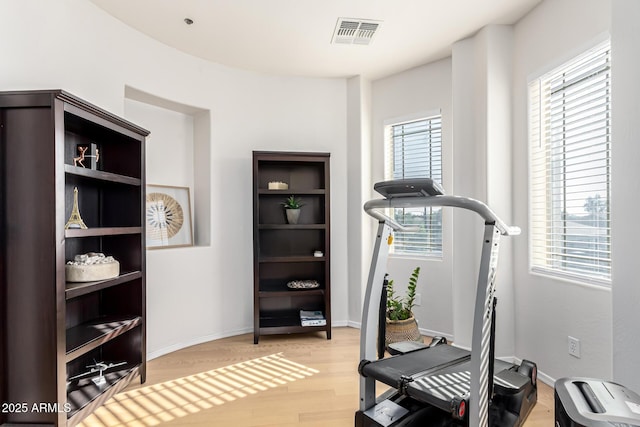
pixel 53 329
pixel 284 252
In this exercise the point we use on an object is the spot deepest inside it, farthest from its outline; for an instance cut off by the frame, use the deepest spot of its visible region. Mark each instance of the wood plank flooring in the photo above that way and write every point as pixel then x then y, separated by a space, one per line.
pixel 297 380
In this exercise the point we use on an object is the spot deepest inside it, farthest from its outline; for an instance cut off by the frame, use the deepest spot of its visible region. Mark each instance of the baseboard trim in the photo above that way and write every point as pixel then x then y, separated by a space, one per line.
pixel 431 333
pixel 195 341
pixel 550 381
pixel 212 337
pixel 353 324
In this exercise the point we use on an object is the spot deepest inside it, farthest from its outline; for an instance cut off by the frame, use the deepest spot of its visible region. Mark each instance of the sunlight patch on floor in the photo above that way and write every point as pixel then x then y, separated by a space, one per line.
pixel 158 403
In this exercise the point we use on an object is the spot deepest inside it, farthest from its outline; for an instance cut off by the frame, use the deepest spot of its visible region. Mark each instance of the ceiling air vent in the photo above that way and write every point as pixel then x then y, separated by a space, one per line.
pixel 355 31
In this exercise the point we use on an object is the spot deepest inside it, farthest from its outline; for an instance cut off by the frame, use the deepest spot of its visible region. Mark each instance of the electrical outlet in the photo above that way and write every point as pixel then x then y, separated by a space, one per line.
pixel 574 346
pixel 418 300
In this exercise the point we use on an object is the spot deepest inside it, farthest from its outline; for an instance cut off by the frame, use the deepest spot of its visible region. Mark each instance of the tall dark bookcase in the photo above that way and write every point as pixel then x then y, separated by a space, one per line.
pixel 51 329
pixel 284 252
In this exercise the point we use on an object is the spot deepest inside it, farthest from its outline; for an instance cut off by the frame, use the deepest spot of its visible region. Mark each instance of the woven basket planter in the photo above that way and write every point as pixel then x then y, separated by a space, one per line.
pixel 402 330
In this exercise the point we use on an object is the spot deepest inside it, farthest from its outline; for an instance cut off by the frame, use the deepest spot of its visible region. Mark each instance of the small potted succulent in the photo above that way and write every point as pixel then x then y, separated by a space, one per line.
pixel 292 207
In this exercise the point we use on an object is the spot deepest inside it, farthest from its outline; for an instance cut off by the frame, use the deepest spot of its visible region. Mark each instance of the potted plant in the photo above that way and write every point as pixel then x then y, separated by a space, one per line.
pixel 292 207
pixel 401 325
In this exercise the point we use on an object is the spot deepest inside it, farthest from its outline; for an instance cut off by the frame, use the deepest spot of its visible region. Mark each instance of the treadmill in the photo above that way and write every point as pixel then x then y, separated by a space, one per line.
pixel 438 384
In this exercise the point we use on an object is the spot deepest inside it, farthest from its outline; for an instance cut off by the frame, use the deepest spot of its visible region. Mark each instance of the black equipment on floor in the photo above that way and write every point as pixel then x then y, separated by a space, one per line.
pixel 588 402
pixel 438 384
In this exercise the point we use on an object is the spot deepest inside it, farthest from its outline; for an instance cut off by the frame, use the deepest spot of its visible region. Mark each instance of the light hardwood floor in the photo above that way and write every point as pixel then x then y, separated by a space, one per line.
pixel 300 380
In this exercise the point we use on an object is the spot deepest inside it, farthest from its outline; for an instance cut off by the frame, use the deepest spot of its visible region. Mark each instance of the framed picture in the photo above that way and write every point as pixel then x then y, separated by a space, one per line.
pixel 168 216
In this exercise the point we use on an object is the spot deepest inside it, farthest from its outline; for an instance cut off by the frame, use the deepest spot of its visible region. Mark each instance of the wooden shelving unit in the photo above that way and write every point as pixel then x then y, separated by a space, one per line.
pixel 54 329
pixel 284 252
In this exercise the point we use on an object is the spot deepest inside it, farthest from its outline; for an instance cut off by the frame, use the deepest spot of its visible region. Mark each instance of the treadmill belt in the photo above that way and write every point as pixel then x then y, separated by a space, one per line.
pixel 391 370
pixel 440 387
pixel 437 374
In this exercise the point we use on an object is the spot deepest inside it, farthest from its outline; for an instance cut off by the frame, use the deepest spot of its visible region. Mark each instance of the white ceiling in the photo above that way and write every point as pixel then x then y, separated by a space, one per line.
pixel 293 37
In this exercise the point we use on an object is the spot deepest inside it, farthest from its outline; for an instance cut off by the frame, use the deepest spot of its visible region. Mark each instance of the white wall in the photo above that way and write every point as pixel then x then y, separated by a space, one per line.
pixel 203 292
pixel 169 160
pixel 422 89
pixel 359 190
pixel 626 179
pixel 482 170
pixel 548 310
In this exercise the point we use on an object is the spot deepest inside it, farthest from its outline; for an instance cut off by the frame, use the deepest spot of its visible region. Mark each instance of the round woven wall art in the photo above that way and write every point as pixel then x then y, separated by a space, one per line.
pixel 164 216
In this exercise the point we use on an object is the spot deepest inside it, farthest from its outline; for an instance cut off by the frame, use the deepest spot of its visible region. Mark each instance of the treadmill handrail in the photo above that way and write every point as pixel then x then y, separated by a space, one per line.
pixel 371 207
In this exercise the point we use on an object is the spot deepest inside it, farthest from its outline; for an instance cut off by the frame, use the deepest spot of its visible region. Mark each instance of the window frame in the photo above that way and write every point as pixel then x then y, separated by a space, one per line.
pixel 537 127
pixel 427 252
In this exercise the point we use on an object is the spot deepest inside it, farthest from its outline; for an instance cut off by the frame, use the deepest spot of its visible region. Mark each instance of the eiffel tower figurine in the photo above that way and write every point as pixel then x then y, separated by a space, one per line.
pixel 75 221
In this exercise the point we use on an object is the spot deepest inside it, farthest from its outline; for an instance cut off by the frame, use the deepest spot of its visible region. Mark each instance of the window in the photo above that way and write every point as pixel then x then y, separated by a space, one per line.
pixel 414 150
pixel 570 155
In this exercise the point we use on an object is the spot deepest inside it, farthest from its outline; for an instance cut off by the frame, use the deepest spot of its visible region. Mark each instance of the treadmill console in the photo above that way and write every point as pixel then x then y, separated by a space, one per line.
pixel 414 187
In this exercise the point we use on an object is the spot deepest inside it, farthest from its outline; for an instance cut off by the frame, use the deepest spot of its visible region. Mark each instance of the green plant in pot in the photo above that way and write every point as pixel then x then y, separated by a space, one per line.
pixel 292 207
pixel 401 325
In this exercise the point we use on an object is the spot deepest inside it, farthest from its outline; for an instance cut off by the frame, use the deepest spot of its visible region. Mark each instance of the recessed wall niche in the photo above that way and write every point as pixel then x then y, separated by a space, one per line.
pixel 178 151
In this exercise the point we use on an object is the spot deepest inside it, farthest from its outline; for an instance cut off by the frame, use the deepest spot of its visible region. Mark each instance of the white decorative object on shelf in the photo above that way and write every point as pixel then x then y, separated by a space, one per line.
pixel 277 185
pixel 90 267
pixel 303 284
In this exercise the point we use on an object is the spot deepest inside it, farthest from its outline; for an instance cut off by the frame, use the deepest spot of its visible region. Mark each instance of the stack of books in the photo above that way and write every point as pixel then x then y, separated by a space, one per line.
pixel 312 318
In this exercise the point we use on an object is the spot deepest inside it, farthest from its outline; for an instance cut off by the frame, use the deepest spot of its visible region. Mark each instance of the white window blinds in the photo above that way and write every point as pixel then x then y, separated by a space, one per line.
pixel 414 150
pixel 570 155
